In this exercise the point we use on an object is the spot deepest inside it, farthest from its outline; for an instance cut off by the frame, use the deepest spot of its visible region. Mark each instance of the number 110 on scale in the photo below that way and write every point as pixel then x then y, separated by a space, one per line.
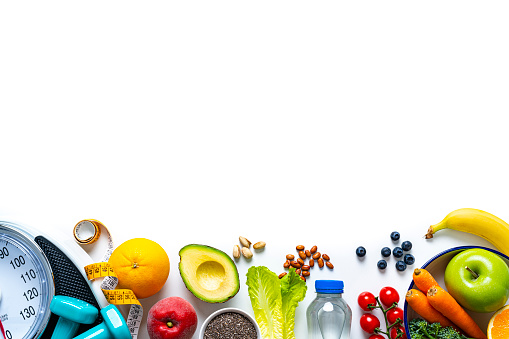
pixel 29 294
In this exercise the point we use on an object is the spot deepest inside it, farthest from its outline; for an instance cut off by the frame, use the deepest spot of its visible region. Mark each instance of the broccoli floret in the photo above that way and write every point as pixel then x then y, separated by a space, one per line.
pixel 421 329
pixel 417 324
pixel 434 329
pixel 450 333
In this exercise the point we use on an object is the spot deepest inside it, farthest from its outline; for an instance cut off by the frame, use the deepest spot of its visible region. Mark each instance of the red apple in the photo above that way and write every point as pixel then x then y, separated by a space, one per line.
pixel 171 318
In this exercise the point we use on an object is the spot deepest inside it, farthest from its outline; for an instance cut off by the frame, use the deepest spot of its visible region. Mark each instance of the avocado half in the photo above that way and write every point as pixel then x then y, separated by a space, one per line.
pixel 209 273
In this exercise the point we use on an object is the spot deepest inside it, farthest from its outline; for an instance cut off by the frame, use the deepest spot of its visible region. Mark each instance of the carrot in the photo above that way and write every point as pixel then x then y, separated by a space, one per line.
pixel 424 280
pixel 420 304
pixel 444 303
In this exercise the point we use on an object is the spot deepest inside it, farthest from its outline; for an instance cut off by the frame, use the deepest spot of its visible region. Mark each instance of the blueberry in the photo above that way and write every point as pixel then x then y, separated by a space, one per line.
pixel 406 245
pixel 397 252
pixel 409 259
pixel 361 251
pixel 401 266
pixel 395 236
pixel 382 264
pixel 386 252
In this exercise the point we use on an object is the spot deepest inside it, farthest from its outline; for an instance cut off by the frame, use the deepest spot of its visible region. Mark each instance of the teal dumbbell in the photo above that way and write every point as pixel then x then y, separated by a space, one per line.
pixel 113 327
pixel 72 313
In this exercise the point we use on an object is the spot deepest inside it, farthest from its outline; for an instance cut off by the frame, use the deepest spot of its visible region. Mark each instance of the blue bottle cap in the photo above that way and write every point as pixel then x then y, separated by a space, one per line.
pixel 329 286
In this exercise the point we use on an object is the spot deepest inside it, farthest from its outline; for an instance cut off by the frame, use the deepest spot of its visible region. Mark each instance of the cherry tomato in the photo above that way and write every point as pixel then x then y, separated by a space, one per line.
pixel 376 336
pixel 369 322
pixel 393 314
pixel 394 332
pixel 365 299
pixel 389 296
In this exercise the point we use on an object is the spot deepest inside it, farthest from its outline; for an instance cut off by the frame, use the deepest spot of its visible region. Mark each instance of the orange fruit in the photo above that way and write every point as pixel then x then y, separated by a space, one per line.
pixel 141 265
pixel 498 328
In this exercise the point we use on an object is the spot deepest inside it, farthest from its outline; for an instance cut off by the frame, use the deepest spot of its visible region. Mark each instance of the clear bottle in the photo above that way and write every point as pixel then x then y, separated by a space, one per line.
pixel 329 316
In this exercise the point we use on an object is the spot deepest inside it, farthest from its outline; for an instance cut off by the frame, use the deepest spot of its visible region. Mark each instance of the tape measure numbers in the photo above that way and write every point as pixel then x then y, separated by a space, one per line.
pixel 87 232
pixel 114 296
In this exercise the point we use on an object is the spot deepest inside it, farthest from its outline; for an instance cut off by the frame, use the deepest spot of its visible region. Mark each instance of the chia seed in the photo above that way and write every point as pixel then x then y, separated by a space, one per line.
pixel 230 325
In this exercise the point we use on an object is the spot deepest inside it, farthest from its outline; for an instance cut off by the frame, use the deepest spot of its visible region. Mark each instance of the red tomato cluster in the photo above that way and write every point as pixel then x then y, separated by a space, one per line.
pixel 370 323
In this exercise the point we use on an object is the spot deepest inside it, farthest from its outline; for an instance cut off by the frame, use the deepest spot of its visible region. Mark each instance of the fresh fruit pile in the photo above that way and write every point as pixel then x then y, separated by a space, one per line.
pixel 476 279
pixel 387 302
pixel 436 305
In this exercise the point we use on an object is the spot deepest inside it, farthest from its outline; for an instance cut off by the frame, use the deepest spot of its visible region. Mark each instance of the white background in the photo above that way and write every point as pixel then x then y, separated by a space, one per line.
pixel 328 123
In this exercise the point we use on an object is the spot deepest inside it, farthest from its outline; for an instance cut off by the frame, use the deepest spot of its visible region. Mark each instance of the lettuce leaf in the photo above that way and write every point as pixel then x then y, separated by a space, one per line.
pixel 293 291
pixel 265 294
pixel 274 301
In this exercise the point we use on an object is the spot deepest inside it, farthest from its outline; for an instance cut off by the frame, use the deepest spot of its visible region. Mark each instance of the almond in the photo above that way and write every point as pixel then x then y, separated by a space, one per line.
pixel 246 252
pixel 245 242
pixel 236 251
pixel 259 244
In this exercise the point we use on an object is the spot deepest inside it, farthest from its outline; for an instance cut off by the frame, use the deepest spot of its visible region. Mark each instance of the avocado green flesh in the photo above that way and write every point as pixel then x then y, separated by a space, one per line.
pixel 208 273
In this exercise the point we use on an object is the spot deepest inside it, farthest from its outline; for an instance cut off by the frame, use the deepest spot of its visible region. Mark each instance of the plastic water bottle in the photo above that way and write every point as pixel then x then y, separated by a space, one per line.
pixel 329 316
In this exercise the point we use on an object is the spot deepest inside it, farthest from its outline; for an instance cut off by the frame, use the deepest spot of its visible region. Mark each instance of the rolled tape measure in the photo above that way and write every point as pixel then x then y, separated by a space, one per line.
pixel 87 232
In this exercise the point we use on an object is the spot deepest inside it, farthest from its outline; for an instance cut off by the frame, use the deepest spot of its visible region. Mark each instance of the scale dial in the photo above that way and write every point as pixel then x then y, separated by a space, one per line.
pixel 26 284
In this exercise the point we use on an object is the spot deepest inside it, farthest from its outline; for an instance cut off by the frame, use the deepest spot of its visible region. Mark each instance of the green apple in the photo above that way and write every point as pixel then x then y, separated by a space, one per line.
pixel 478 279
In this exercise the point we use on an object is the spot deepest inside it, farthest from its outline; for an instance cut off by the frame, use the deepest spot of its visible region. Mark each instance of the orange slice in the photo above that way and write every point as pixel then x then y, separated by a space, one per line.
pixel 498 328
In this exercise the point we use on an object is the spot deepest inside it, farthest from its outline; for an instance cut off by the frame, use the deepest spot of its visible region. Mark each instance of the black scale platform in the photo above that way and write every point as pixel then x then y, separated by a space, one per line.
pixel 68 281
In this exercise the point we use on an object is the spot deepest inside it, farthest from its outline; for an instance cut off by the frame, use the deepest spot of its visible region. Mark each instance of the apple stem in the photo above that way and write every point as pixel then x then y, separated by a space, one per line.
pixel 169 324
pixel 472 272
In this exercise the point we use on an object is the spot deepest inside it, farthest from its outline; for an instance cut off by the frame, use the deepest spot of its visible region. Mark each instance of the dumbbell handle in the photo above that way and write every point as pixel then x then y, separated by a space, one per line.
pixel 65 328
pixel 113 327
pixel 98 332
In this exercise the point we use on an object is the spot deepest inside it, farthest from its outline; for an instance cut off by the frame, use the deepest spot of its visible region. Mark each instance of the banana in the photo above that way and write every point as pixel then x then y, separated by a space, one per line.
pixel 477 222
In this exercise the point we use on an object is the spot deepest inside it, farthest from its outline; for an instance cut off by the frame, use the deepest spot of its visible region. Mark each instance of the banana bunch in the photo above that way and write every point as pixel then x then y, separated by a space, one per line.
pixel 477 222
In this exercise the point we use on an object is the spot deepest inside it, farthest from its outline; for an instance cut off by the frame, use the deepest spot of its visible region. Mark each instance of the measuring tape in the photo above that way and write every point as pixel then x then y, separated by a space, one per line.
pixel 87 232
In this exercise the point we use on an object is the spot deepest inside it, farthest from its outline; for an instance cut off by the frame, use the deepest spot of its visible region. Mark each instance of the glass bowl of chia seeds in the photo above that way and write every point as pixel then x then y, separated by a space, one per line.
pixel 230 323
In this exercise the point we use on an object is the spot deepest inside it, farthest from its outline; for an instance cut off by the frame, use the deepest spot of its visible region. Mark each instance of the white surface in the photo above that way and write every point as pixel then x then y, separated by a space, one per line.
pixel 330 124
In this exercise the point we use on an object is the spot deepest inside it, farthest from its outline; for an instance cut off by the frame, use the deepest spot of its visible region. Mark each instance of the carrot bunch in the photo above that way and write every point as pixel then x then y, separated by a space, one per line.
pixel 434 304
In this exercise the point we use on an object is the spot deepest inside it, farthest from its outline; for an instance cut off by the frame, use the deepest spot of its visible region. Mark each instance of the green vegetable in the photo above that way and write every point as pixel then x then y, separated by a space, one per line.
pixel 450 333
pixel 293 291
pixel 421 329
pixel 274 301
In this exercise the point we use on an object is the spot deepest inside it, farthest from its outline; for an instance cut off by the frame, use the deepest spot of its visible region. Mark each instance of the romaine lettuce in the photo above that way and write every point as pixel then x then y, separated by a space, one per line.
pixel 293 291
pixel 274 301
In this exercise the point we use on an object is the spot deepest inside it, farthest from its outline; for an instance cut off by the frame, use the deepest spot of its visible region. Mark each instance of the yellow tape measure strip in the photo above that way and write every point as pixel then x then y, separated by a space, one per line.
pixel 121 297
pixel 114 296
pixel 99 270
